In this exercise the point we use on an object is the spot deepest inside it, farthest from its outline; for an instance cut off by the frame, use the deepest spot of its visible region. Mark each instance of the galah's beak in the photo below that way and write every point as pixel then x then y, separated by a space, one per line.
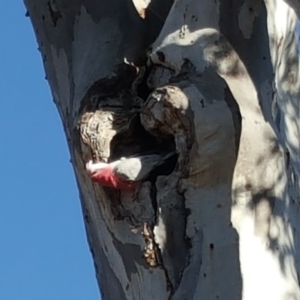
pixel 90 168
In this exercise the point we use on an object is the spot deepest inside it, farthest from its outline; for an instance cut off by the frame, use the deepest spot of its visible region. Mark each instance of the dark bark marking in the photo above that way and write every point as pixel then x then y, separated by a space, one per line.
pixel 287 158
pixel 236 116
pixel 161 56
pixel 112 91
pixel 263 205
pixel 54 14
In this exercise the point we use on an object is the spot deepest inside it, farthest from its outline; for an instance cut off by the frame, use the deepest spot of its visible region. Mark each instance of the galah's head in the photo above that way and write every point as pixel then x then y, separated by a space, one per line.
pixel 92 168
pixel 103 174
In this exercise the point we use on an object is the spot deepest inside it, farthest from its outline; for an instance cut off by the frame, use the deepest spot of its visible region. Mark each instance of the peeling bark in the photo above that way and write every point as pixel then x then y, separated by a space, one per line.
pixel 218 83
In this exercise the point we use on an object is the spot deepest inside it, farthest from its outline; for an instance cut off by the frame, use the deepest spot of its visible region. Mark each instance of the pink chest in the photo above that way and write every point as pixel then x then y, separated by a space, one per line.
pixel 105 178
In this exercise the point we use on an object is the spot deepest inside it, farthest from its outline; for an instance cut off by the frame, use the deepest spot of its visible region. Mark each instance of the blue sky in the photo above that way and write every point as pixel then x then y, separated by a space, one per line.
pixel 43 249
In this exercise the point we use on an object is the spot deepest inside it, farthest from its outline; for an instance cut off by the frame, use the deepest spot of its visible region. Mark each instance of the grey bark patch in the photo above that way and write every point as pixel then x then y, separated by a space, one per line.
pixel 131 254
pixel 108 279
pixel 191 274
pixel 172 226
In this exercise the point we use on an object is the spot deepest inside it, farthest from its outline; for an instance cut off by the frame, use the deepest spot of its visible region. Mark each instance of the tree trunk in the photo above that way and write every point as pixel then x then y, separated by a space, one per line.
pixel 218 82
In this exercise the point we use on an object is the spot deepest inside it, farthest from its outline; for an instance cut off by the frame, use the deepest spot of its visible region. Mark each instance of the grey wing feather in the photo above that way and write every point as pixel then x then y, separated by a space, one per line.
pixel 128 169
pixel 136 169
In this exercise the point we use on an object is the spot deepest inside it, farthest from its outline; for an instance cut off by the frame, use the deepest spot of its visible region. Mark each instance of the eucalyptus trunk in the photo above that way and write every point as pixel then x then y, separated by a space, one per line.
pixel 217 81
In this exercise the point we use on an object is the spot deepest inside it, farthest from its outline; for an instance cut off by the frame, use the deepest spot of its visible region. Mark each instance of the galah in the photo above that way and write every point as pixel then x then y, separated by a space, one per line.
pixel 125 173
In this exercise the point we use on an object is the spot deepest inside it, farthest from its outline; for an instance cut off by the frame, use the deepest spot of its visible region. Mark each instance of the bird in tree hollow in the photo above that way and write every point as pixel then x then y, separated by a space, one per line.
pixel 125 173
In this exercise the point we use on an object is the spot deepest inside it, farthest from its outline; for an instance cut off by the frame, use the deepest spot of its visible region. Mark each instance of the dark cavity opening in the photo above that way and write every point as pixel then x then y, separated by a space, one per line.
pixel 137 141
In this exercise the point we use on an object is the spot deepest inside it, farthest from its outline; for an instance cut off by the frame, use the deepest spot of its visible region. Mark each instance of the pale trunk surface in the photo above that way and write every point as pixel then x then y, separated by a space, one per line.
pixel 219 82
